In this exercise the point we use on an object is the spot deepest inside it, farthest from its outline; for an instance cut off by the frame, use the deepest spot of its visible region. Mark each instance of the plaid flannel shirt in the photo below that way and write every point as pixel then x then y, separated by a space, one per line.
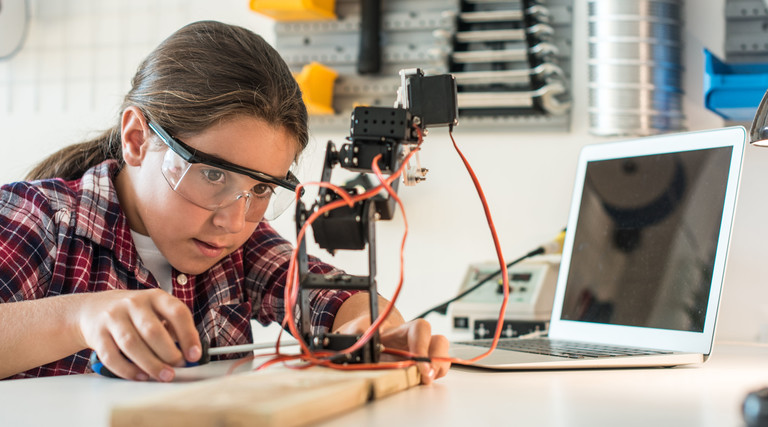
pixel 63 237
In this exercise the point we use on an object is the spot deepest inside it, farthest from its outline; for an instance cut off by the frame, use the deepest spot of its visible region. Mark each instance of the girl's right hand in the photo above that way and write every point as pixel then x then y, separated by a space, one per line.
pixel 142 326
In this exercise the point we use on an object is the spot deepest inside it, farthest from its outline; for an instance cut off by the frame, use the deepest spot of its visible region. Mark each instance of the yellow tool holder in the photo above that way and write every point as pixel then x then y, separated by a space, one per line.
pixel 295 10
pixel 316 83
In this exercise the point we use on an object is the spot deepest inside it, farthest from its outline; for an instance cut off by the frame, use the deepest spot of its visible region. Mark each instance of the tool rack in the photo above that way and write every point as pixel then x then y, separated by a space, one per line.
pixel 511 59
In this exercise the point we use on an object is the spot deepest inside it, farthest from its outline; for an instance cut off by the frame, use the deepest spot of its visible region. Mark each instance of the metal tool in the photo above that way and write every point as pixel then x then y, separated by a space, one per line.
pixel 505 60
pixel 519 34
pixel 511 54
pixel 98 367
pixel 547 97
pixel 519 77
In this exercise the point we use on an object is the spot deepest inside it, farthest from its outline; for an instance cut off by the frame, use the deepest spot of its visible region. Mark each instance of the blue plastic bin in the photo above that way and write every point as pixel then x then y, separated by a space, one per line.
pixel 733 90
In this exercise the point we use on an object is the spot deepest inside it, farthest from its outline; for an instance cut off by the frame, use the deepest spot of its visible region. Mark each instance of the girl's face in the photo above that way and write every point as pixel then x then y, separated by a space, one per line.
pixel 193 238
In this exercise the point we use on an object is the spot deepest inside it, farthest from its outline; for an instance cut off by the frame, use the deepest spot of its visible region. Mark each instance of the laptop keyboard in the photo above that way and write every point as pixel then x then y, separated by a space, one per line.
pixel 560 348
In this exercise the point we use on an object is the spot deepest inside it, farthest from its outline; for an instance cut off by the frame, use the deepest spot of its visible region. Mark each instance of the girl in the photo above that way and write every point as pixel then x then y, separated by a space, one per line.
pixel 154 233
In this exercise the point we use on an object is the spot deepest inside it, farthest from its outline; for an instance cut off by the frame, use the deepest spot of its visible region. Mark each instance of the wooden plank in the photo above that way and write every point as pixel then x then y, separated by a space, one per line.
pixel 277 397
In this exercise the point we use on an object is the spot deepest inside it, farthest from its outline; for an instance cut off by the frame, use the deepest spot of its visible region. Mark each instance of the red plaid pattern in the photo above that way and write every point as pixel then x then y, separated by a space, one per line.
pixel 62 237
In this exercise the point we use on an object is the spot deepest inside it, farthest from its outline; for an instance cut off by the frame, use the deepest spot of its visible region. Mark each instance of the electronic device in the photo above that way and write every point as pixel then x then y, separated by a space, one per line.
pixel 532 288
pixel 643 259
pixel 391 135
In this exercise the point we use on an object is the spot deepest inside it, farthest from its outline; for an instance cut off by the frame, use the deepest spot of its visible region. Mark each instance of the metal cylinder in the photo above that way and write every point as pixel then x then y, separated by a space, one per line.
pixel 635 69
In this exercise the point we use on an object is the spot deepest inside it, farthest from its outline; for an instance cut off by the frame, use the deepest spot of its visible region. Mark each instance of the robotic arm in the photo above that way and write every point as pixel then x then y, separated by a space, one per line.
pixel 422 102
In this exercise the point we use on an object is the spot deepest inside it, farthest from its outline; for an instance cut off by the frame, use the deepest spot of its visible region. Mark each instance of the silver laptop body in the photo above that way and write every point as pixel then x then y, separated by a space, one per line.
pixel 644 256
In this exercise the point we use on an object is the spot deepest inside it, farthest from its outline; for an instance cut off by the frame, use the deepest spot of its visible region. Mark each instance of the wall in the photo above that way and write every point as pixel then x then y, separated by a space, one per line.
pixel 68 81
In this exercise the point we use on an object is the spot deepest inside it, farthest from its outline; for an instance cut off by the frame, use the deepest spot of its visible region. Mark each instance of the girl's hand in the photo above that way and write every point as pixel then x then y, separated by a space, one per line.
pixel 142 326
pixel 415 337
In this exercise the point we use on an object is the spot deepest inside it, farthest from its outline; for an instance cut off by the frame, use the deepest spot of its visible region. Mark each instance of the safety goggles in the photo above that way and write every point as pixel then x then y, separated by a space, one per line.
pixel 213 183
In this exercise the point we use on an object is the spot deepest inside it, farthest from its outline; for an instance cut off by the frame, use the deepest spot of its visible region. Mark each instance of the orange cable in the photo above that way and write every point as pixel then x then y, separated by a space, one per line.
pixel 291 288
pixel 502 262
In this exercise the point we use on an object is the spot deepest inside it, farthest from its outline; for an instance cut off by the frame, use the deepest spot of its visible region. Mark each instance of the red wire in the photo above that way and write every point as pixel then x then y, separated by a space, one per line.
pixel 502 263
pixel 368 334
pixel 291 287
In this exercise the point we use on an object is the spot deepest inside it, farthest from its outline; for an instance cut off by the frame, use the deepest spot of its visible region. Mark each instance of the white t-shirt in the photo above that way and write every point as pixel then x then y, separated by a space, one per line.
pixel 154 261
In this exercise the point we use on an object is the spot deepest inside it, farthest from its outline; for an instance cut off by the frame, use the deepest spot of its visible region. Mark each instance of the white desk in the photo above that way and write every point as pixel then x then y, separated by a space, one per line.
pixel 703 395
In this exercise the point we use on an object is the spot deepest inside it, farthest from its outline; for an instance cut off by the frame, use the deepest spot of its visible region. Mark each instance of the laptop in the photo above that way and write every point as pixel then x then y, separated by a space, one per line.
pixel 643 260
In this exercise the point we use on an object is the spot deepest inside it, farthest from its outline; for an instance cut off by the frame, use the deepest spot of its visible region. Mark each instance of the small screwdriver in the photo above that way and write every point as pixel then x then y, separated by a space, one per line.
pixel 98 367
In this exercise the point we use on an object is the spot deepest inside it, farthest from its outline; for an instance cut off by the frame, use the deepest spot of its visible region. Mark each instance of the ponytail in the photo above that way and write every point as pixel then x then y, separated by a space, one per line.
pixel 72 161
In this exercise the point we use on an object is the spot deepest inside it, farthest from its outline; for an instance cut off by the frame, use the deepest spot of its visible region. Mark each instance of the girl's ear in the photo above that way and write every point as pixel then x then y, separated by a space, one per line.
pixel 135 136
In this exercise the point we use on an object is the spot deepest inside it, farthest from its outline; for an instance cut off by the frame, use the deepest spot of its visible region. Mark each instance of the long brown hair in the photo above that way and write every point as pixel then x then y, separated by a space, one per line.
pixel 202 74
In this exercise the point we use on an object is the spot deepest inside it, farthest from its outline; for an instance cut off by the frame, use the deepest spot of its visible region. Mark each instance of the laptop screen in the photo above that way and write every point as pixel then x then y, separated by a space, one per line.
pixel 646 238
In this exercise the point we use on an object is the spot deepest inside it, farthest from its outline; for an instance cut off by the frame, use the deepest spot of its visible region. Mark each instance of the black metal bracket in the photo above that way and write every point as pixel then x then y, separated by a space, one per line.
pixel 374 131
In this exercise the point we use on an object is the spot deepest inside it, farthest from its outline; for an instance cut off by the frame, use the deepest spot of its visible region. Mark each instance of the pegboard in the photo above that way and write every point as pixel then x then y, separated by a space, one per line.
pixel 523 79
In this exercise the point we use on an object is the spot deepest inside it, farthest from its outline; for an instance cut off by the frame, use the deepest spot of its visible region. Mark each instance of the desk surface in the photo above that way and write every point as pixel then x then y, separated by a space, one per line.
pixel 709 394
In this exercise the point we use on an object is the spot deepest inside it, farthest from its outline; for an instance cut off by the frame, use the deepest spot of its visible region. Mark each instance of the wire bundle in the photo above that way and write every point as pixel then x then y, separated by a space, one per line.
pixel 323 358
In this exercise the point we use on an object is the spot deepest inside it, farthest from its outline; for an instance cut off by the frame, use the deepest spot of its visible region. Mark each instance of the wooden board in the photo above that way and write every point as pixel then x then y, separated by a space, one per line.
pixel 276 397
